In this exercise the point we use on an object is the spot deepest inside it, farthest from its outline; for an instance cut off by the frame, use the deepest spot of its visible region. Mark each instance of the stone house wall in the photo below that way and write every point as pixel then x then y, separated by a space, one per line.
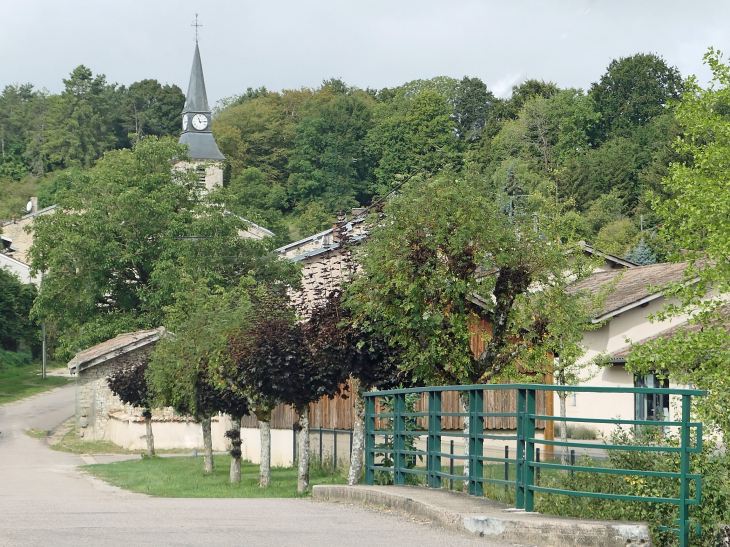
pixel 95 401
pixel 22 240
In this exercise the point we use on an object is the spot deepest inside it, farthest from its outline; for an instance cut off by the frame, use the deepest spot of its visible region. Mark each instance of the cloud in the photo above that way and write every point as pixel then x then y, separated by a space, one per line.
pixel 503 87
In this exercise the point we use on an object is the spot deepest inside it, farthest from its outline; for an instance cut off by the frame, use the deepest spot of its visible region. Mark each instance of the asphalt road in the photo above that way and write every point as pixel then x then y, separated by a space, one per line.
pixel 45 501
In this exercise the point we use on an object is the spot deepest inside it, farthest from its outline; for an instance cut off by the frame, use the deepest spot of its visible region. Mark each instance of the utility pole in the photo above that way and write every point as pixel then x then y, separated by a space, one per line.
pixel 43 330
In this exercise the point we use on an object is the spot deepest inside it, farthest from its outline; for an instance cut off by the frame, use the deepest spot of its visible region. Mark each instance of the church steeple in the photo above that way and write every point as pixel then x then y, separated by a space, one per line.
pixel 196 116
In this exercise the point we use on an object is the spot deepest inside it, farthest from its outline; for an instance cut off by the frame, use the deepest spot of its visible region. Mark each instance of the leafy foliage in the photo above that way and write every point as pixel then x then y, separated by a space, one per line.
pixel 16 300
pixel 632 91
pixel 180 369
pixel 272 361
pixel 697 217
pixel 641 254
pixel 130 385
pixel 338 344
pixel 442 257
pixel 711 465
pixel 128 237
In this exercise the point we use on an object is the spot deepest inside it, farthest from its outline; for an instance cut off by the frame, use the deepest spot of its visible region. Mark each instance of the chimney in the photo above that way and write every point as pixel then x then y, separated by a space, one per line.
pixel 34 201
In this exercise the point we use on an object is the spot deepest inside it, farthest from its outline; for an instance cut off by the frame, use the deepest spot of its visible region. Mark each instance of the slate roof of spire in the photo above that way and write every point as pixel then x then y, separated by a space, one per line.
pixel 196 99
pixel 202 145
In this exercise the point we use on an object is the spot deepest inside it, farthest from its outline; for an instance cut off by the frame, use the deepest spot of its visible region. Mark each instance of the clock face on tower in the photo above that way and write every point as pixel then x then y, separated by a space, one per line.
pixel 185 122
pixel 200 121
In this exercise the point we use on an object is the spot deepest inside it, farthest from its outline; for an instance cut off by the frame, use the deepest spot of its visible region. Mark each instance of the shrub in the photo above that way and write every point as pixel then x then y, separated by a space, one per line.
pixel 714 467
pixel 15 358
pixel 577 432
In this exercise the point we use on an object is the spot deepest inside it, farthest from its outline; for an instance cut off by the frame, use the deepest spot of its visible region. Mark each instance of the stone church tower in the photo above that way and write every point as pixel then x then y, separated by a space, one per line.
pixel 196 119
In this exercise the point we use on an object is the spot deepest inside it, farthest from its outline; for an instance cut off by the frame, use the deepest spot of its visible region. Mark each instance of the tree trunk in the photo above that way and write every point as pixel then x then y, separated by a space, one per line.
pixel 465 408
pixel 207 445
pixel 358 434
pixel 564 460
pixel 150 436
pixel 265 466
pixel 235 436
pixel 303 451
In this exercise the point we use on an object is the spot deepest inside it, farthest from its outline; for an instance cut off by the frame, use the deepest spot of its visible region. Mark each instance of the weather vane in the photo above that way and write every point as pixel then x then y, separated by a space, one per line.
pixel 197 26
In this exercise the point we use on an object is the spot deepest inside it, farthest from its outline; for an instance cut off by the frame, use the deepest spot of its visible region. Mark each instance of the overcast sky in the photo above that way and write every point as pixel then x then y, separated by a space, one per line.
pixel 367 43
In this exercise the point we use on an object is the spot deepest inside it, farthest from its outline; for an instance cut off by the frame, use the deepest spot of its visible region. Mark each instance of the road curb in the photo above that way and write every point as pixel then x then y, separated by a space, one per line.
pixel 484 518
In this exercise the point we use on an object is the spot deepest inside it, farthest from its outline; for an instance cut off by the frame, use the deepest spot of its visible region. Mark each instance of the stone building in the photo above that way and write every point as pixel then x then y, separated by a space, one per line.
pixel 101 416
pixel 16 242
pixel 92 367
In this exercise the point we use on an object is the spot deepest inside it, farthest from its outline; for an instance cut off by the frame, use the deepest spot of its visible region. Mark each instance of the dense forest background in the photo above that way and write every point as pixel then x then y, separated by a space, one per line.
pixel 298 158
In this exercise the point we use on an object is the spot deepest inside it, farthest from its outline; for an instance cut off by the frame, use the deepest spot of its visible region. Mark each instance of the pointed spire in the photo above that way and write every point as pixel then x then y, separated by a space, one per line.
pixel 197 99
pixel 197 116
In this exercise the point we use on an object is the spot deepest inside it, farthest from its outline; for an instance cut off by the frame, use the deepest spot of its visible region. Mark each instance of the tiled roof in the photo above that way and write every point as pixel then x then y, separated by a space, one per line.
pixel 590 249
pixel 114 347
pixel 632 289
pixel 30 215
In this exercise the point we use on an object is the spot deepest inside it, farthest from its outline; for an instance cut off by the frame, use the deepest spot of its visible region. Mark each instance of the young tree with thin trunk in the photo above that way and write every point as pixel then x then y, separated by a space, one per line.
pixel 337 344
pixel 130 385
pixel 182 367
pixel 274 364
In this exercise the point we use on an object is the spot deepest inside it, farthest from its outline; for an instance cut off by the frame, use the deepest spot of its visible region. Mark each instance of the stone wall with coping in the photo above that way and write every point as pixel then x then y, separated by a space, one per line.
pixel 129 431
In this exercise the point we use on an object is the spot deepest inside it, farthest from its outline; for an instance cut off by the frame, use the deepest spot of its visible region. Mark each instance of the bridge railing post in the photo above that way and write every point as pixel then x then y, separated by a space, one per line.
pixel 520 456
pixel 434 439
pixel 369 440
pixel 476 442
pixel 399 438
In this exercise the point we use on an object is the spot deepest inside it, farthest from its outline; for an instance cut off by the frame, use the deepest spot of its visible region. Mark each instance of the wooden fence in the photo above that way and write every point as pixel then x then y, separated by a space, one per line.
pixel 338 413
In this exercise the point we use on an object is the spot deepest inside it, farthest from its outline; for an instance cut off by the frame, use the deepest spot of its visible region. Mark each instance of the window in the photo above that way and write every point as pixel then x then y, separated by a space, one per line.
pixel 651 406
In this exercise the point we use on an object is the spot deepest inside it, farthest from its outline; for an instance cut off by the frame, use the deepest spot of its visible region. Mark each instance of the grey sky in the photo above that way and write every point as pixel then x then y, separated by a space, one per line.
pixel 370 43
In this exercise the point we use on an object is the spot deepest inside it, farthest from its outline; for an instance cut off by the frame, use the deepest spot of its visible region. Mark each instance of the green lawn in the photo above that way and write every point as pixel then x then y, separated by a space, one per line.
pixel 183 477
pixel 24 381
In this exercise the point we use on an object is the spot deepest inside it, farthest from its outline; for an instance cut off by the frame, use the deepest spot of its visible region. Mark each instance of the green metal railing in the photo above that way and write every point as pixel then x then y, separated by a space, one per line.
pixel 526 466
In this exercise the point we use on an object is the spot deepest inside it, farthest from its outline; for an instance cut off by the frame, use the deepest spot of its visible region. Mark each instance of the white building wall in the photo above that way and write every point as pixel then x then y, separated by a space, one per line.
pixel 620 331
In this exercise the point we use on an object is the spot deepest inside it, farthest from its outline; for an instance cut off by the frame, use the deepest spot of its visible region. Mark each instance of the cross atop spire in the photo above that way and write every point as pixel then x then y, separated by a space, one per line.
pixel 197 26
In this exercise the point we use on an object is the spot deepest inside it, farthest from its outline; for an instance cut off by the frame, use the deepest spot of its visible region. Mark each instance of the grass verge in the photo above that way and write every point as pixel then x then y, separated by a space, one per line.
pixel 23 381
pixel 74 444
pixel 184 478
pixel 36 433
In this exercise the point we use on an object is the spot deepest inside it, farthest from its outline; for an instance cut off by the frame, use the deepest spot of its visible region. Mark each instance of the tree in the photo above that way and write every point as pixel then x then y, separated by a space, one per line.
pixel 180 369
pixel 697 220
pixel 252 197
pixel 329 162
pixel 548 131
pixel 259 132
pixel 444 256
pixel 22 112
pixel 273 363
pixel 632 91
pixel 126 235
pixel 473 107
pixel 444 265
pixel 420 136
pixel 527 90
pixel 149 108
pixel 338 345
pixel 130 385
pixel 80 121
pixel 641 254
pixel 16 300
